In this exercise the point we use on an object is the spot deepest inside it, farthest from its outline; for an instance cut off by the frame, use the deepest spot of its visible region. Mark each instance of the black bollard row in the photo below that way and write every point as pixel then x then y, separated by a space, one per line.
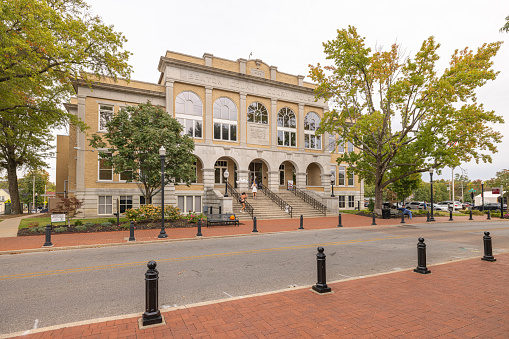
pixel 374 221
pixel 321 285
pixel 255 230
pixel 199 229
pixel 131 232
pixel 427 216
pixel 339 220
pixel 301 222
pixel 450 216
pixel 48 237
pixel 421 258
pixel 152 314
pixel 488 252
pixel 470 215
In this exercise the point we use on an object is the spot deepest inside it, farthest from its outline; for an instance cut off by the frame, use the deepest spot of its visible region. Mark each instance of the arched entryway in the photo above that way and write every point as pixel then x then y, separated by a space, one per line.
pixel 221 166
pixel 257 172
pixel 313 175
pixel 287 175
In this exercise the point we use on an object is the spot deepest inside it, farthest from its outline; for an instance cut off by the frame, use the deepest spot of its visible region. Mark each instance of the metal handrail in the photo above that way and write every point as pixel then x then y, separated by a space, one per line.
pixel 310 200
pixel 277 199
pixel 236 195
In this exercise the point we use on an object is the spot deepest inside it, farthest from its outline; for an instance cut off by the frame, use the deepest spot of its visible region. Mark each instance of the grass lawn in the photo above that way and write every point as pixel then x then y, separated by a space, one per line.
pixel 46 219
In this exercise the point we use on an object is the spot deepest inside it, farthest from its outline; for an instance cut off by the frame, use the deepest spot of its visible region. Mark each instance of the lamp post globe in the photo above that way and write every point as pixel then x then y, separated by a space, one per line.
pixel 162 156
pixel 226 175
pixel 332 180
pixel 431 182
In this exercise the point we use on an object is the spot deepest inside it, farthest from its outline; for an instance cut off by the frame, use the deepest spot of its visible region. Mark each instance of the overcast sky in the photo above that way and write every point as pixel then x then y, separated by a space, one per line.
pixel 289 35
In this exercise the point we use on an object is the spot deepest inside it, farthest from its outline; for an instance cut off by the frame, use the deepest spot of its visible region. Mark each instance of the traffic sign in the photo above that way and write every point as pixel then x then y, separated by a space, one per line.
pixel 472 190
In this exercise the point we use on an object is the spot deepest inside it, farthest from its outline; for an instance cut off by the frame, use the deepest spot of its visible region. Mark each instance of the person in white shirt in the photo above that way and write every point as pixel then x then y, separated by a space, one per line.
pixel 254 187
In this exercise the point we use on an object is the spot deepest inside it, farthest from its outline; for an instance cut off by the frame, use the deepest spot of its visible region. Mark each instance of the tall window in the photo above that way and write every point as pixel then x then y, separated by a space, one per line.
pixel 341 176
pixel 189 112
pixel 105 170
pixel 225 120
pixel 282 174
pixel 105 205
pixel 332 143
pixel 188 203
pixel 311 124
pixel 350 147
pixel 351 201
pixel 351 178
pixel 256 112
pixel 286 128
pixel 341 201
pixel 126 202
pixel 219 169
pixel 341 146
pixel 105 115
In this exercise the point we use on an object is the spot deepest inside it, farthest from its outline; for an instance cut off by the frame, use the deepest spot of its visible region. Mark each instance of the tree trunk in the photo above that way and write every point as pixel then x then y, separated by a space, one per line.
pixel 12 177
pixel 378 200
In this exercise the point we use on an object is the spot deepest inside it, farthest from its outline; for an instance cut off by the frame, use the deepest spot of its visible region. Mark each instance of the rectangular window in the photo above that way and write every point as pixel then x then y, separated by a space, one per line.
pixel 293 139
pixel 332 144
pixel 351 179
pixel 341 176
pixel 105 170
pixel 224 131
pixel 350 147
pixel 351 201
pixel 198 129
pixel 197 204
pixel 217 130
pixel 105 115
pixel 180 202
pixel 126 175
pixel 280 138
pixel 126 202
pixel 188 203
pixel 282 174
pixel 341 201
pixel 233 132
pixel 341 146
pixel 306 140
pixel 105 205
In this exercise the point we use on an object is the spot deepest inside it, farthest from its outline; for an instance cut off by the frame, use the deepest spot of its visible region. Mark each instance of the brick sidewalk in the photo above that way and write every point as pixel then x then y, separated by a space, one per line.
pixel 264 226
pixel 464 299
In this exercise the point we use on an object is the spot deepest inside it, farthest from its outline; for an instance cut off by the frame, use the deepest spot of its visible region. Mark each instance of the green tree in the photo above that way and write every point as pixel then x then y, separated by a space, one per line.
pixel 505 28
pixel 400 113
pixel 134 137
pixel 39 178
pixel 46 46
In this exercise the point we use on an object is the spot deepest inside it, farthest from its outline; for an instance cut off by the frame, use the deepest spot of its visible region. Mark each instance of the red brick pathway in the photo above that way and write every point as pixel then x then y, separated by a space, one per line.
pixel 275 225
pixel 465 299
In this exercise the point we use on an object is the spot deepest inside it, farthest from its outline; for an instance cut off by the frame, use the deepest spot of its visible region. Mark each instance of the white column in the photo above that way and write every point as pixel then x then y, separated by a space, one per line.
pixel 273 180
pixel 80 142
pixel 273 123
pixel 169 97
pixel 325 182
pixel 300 178
pixel 208 178
pixel 208 129
pixel 243 120
pixel 300 127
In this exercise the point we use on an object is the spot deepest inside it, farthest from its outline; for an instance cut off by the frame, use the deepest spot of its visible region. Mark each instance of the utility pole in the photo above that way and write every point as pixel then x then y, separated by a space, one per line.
pixel 33 192
pixel 453 188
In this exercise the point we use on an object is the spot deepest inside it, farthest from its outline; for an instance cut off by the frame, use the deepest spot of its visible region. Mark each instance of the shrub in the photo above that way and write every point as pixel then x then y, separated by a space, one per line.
pixel 60 229
pixel 150 211
pixel 194 217
pixel 41 229
pixel 33 229
pixel 89 224
pixel 33 224
pixel 112 221
pixel 133 214
pixel 125 226
pixel 78 223
pixel 81 228
pixel 106 224
pixel 172 212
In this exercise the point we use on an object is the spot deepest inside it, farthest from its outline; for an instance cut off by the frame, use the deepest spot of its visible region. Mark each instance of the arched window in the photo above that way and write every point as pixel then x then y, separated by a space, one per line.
pixel 311 124
pixel 286 127
pixel 225 119
pixel 256 112
pixel 189 112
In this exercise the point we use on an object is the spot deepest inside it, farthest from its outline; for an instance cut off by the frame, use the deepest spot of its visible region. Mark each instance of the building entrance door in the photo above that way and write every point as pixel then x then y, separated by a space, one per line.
pixel 255 173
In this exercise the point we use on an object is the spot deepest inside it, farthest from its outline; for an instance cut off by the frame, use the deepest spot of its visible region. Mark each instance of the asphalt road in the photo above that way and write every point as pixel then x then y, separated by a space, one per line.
pixel 50 288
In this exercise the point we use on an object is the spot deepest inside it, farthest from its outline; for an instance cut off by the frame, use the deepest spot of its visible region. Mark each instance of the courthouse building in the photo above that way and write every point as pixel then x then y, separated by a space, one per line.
pixel 244 116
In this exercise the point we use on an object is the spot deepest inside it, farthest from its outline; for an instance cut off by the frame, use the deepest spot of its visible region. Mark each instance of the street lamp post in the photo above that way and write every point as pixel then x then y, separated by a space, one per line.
pixel 332 179
pixel 226 175
pixel 482 194
pixel 162 155
pixel 431 181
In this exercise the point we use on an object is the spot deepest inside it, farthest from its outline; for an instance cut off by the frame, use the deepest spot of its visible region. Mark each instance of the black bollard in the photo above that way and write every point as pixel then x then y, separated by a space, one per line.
pixel 152 314
pixel 402 218
pixel 489 215
pixel 301 222
pixel 374 222
pixel 427 216
pixel 254 226
pixel 470 216
pixel 488 253
pixel 48 237
pixel 450 216
pixel 131 232
pixel 339 220
pixel 321 285
pixel 421 258
pixel 199 229
pixel 219 209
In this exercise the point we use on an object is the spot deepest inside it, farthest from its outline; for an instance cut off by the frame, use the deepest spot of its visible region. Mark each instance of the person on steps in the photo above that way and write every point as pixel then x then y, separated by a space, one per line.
pixel 242 201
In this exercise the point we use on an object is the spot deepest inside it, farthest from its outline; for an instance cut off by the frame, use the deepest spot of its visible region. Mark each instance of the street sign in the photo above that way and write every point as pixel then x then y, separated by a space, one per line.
pixel 472 190
pixel 58 218
pixel 495 191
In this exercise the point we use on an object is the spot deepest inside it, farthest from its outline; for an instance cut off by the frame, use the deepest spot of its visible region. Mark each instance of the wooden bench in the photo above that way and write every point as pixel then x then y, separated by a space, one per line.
pixel 222 219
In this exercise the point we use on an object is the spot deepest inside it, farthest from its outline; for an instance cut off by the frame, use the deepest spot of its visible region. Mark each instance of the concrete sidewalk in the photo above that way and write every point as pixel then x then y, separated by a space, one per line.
pixel 9 227
pixel 463 299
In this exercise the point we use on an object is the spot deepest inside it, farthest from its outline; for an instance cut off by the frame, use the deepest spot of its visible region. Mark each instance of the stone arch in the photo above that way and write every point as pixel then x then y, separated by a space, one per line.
pixel 287 171
pixel 259 170
pixel 199 169
pixel 314 173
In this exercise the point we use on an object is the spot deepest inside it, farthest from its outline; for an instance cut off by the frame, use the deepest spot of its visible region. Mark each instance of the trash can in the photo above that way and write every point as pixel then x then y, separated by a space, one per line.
pixel 7 208
pixel 386 213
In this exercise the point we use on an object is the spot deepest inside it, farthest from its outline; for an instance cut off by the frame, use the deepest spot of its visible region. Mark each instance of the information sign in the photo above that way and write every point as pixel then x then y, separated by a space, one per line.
pixel 58 218
pixel 495 191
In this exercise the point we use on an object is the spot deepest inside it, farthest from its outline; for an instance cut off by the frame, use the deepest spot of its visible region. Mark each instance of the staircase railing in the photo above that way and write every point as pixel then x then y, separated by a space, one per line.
pixel 277 199
pixel 236 195
pixel 310 200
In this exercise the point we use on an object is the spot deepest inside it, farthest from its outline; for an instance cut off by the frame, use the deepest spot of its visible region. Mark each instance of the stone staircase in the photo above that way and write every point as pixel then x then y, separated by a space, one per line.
pixel 265 208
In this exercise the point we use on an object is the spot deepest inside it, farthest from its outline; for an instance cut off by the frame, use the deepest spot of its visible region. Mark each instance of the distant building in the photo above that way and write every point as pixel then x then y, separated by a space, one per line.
pixel 4 196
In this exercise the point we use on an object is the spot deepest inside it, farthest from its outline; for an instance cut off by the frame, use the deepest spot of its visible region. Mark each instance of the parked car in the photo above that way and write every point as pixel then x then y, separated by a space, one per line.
pixel 489 206
pixel 465 205
pixel 457 204
pixel 440 207
pixel 414 205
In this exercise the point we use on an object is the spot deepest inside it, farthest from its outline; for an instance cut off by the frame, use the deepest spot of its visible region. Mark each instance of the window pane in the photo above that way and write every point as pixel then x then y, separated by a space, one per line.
pixel 319 142
pixel 217 175
pixel 217 130
pixel 332 144
pixel 312 137
pixel 126 175
pixel 250 116
pixel 282 177
pixel 225 130
pixel 180 203
pixel 350 147
pixel 105 175
pixel 233 132
pixel 306 140
pixel 341 176
pixel 198 129
pixel 293 143
pixel 189 203
pixel 265 118
pixel 287 138
pixel 189 127
pixel 197 204
pixel 280 137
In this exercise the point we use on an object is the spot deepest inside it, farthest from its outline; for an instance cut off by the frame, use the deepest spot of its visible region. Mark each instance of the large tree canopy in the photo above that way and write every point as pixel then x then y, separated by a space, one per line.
pixel 133 140
pixel 401 115
pixel 45 45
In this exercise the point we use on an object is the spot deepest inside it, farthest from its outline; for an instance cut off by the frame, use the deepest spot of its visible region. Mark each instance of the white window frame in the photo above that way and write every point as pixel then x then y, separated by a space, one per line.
pixel 286 129
pixel 341 201
pixel 341 146
pixel 194 199
pixel 189 108
pixel 350 147
pixel 105 109
pixel 311 124
pixel 99 170
pixel 222 166
pixel 258 113
pixel 341 171
pixel 225 114
pixel 351 179
pixel 105 204
pixel 351 201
